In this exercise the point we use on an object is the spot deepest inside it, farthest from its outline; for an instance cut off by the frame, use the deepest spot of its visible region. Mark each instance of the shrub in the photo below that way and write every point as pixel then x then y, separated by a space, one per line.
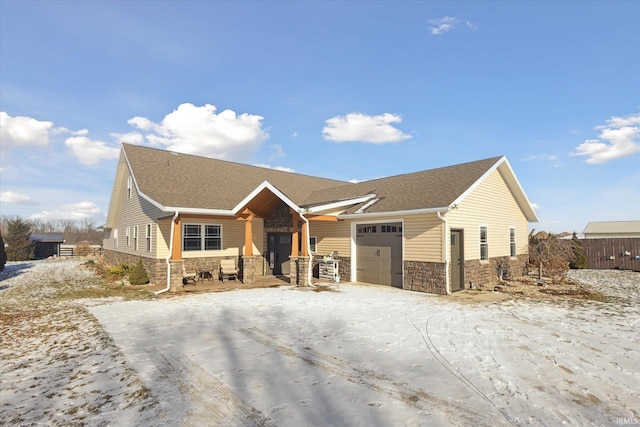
pixel 579 256
pixel 119 271
pixel 138 275
pixel 83 249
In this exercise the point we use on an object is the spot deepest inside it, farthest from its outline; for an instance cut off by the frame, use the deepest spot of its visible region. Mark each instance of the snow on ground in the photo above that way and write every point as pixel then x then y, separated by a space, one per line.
pixel 360 356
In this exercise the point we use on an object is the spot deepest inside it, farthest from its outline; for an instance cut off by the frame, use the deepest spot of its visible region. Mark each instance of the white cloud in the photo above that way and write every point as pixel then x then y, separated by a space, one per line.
pixel 278 168
pixel 445 24
pixel 90 152
pixel 278 152
pixel 73 211
pixel 21 131
pixel 129 137
pixel 536 207
pixel 620 137
pixel 364 128
pixel 202 131
pixel 16 199
pixel 552 159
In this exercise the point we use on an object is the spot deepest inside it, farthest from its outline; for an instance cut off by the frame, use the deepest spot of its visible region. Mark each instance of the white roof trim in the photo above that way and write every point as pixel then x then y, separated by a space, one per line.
pixel 366 206
pixel 339 204
pixel 394 213
pixel 274 190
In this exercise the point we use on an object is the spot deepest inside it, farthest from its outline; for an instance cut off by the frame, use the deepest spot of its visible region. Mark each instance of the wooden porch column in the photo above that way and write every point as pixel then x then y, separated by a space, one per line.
pixel 305 238
pixel 294 234
pixel 176 250
pixel 248 235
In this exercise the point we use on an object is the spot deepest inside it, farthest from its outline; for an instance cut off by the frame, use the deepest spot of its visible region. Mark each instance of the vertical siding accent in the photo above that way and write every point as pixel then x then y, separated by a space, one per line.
pixel 491 204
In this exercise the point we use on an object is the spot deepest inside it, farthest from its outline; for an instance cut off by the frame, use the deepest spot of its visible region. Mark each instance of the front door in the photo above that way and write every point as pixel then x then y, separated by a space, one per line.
pixel 279 250
pixel 457 261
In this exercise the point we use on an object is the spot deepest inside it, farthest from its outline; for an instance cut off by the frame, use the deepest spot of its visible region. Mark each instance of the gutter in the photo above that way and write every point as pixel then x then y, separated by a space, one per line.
pixel 446 251
pixel 308 243
pixel 167 260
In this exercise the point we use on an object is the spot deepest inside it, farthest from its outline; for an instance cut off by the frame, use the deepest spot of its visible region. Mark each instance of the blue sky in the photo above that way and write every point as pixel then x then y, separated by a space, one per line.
pixel 347 90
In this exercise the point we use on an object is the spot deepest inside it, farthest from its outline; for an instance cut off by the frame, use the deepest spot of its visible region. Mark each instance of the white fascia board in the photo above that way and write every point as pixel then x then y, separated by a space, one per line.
pixel 443 209
pixel 339 204
pixel 532 216
pixel 478 182
pixel 274 190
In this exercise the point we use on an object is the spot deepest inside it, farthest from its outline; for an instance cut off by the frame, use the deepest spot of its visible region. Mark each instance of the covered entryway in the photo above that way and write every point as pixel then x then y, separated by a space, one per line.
pixel 379 253
pixel 457 260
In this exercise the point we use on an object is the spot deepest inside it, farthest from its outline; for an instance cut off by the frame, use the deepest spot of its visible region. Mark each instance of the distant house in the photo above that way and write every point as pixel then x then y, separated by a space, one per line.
pixel 612 245
pixel 47 244
pixel 438 230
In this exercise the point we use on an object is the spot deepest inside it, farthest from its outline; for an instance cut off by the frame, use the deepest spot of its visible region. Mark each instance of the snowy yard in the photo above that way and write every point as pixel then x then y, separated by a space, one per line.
pixel 355 355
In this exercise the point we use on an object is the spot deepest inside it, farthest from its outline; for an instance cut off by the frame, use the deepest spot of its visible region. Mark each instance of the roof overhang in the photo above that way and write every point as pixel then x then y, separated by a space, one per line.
pixel 338 204
pixel 443 209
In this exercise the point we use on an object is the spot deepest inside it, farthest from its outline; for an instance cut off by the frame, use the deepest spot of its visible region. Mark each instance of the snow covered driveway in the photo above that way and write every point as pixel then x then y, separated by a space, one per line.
pixel 375 356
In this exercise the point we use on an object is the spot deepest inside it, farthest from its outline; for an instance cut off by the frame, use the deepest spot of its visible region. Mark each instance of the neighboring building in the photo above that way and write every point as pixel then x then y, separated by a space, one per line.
pixel 438 230
pixel 47 244
pixel 612 245
pixel 612 229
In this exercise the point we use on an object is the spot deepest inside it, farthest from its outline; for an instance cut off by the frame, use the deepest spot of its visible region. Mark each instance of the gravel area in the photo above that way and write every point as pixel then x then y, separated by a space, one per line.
pixel 60 367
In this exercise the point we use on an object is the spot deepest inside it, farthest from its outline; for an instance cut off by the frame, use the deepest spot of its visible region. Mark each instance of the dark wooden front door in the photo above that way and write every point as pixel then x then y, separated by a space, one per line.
pixel 279 251
pixel 457 261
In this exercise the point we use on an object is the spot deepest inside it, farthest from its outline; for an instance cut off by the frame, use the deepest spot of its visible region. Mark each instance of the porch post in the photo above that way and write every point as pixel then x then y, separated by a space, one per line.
pixel 294 233
pixel 305 238
pixel 248 235
pixel 176 251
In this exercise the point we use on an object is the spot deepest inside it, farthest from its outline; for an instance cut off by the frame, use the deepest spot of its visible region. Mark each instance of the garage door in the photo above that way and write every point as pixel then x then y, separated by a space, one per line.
pixel 379 253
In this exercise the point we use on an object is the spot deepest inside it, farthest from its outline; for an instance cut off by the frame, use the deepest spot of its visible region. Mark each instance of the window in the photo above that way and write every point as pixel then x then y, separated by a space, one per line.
pixel 201 237
pixel 115 238
pixel 391 229
pixel 367 229
pixel 127 235
pixel 148 237
pixel 129 188
pixel 135 237
pixel 313 242
pixel 484 244
pixel 512 242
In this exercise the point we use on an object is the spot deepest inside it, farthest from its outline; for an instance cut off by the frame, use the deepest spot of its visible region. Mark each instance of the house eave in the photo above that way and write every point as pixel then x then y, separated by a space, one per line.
pixel 424 211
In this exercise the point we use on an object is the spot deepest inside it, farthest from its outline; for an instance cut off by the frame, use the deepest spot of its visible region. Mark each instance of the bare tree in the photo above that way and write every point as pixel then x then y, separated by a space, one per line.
pixel 550 255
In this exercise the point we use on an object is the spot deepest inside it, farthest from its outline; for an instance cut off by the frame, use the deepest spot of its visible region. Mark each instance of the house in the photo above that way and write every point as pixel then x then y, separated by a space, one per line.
pixel 439 230
pixel 612 245
pixel 47 244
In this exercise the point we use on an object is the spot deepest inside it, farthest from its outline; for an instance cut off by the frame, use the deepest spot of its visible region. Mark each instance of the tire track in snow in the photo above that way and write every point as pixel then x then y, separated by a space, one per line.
pixel 211 402
pixel 376 381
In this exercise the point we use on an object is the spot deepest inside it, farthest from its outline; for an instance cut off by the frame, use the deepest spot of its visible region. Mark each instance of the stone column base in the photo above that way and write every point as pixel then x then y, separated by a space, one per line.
pixel 299 271
pixel 248 270
pixel 175 281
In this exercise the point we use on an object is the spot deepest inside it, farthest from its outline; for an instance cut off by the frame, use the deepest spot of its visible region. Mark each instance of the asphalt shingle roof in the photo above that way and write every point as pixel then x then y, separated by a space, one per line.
pixel 187 181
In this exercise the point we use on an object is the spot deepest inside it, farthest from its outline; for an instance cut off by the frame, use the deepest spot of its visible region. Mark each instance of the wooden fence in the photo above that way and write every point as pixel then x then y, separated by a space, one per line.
pixel 616 253
pixel 72 250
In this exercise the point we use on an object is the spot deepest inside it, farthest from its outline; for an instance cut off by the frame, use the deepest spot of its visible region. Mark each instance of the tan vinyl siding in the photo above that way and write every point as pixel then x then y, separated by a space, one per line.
pixel 491 204
pixel 135 211
pixel 332 236
pixel 232 237
pixel 423 238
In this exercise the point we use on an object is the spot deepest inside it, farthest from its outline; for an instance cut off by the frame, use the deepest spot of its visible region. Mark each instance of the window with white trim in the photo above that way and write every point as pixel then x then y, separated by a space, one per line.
pixel 127 236
pixel 115 238
pixel 512 242
pixel 313 242
pixel 129 187
pixel 148 237
pixel 201 237
pixel 135 237
pixel 484 243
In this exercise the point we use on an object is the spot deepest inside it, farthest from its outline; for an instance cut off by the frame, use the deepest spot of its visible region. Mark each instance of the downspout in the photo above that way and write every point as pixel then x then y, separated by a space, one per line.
pixel 446 252
pixel 167 260
pixel 308 243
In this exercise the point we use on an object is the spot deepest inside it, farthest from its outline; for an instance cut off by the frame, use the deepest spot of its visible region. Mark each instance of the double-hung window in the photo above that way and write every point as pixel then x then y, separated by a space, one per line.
pixel 127 236
pixel 115 238
pixel 512 242
pixel 201 237
pixel 484 244
pixel 135 237
pixel 148 237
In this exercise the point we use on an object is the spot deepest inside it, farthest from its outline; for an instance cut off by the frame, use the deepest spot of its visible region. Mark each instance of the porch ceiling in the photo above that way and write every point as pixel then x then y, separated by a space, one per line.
pixel 263 203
